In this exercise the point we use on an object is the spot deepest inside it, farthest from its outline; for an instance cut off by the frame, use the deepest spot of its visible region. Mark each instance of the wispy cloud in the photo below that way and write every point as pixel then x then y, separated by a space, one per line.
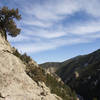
pixel 44 45
pixel 85 28
pixel 45 23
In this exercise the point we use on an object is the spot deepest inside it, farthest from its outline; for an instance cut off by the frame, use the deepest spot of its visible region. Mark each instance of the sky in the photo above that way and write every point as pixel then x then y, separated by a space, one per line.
pixel 56 30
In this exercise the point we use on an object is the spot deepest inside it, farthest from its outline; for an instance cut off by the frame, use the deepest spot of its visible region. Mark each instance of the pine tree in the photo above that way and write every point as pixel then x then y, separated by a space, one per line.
pixel 7 21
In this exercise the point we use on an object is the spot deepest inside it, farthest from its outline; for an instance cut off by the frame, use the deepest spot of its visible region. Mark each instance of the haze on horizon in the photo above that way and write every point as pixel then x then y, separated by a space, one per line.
pixel 56 30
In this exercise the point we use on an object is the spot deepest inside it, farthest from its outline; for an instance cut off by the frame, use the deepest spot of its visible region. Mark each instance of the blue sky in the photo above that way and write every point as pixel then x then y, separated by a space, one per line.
pixel 56 30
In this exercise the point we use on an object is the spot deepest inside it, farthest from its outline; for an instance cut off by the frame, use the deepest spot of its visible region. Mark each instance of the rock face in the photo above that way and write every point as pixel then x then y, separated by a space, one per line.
pixel 15 84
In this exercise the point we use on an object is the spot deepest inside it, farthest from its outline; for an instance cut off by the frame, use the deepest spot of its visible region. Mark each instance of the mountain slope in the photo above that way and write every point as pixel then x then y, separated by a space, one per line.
pixel 88 82
pixel 15 84
pixel 39 75
pixel 51 67
pixel 21 78
pixel 82 74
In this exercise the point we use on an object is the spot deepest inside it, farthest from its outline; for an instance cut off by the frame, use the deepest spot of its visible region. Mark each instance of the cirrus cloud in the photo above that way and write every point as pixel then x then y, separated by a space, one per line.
pixel 49 24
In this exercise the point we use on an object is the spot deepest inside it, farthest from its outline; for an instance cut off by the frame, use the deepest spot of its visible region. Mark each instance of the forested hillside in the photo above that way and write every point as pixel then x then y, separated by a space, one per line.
pixel 82 74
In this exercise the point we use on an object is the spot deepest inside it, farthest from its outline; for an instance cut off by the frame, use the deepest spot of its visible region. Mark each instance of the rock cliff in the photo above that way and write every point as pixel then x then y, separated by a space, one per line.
pixel 15 84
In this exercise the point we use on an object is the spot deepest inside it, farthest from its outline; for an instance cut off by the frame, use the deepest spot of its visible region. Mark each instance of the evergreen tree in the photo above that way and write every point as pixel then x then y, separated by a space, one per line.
pixel 7 21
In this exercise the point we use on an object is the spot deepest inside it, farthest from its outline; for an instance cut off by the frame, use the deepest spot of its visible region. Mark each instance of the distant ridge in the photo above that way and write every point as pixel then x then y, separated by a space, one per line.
pixel 81 73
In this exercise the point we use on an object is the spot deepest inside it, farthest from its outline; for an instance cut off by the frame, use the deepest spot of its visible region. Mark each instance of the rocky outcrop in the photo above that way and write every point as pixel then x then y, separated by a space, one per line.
pixel 4 45
pixel 15 84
